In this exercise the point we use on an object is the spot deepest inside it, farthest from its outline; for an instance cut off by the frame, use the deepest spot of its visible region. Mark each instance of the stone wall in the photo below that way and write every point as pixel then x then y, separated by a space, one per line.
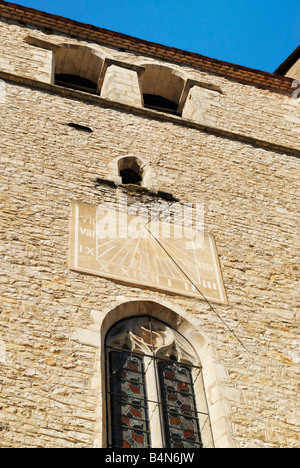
pixel 274 118
pixel 50 361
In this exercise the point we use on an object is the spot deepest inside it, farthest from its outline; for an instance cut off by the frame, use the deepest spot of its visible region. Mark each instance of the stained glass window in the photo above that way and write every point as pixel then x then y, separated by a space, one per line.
pixel 129 415
pixel 179 406
pixel 153 370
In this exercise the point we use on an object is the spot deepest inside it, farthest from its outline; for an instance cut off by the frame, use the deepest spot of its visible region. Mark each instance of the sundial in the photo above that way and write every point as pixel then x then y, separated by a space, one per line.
pixel 153 254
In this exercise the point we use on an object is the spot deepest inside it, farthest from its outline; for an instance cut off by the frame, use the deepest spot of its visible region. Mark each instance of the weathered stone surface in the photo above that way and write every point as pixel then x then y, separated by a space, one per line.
pixel 145 251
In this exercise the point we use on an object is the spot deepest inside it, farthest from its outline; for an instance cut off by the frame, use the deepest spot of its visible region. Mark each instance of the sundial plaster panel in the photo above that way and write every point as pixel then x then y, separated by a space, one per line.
pixel 154 254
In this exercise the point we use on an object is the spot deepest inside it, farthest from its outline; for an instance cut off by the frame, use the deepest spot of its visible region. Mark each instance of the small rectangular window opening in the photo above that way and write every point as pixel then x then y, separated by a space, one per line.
pixel 159 103
pixel 75 82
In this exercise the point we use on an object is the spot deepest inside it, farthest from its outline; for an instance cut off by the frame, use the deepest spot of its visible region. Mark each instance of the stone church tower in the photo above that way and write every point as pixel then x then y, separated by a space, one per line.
pixel 149 243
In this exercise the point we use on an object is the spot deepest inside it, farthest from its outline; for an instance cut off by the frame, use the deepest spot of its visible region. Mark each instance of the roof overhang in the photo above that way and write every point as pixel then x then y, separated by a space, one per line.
pixel 289 62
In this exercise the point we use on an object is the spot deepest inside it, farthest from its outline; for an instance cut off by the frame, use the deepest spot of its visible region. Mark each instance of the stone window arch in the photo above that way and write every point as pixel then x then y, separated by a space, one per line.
pixel 132 169
pixel 155 391
pixel 162 88
pixel 77 67
pixel 219 395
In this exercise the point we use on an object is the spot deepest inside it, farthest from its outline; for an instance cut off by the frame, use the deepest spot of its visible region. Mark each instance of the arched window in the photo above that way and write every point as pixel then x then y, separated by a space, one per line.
pixel 162 88
pixel 77 67
pixel 130 170
pixel 155 394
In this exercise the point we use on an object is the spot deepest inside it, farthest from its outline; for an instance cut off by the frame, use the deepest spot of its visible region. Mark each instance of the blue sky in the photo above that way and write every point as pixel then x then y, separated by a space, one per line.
pixel 256 33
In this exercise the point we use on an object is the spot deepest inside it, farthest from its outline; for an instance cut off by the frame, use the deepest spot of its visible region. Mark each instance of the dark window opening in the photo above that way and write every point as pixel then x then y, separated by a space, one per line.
pixel 152 101
pixel 129 176
pixel 75 82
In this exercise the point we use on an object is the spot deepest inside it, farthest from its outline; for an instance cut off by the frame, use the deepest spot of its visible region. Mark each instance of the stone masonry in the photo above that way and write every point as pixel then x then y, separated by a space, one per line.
pixel 234 148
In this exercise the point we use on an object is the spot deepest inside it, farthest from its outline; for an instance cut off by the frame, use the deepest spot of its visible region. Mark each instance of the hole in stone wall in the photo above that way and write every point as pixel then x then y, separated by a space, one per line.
pixel 130 171
pixel 129 176
pixel 81 128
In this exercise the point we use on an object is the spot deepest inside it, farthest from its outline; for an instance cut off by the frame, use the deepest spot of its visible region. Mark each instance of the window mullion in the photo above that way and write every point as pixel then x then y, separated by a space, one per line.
pixel 153 397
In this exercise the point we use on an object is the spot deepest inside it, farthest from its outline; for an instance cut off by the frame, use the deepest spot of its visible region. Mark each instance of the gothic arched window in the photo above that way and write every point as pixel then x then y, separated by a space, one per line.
pixel 155 392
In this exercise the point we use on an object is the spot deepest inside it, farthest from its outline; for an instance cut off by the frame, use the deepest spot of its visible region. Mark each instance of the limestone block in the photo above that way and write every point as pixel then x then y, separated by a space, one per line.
pixel 121 85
